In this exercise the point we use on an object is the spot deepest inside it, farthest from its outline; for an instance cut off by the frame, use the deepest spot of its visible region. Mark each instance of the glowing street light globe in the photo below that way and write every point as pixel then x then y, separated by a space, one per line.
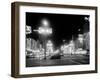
pixel 86 18
pixel 45 22
pixel 44 31
pixel 45 28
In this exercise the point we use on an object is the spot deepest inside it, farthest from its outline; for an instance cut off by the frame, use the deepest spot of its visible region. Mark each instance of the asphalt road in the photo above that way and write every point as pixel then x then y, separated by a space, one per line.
pixel 63 60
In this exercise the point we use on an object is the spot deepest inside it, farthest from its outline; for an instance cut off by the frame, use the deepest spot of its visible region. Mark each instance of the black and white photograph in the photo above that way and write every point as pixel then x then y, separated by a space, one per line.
pixel 52 39
pixel 57 39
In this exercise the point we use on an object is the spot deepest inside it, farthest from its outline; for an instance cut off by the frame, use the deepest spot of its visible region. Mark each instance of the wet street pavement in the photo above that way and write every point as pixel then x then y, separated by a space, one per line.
pixel 63 60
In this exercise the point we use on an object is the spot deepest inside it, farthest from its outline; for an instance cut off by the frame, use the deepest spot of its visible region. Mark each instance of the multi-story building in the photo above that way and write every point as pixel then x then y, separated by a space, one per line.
pixel 49 48
pixel 68 48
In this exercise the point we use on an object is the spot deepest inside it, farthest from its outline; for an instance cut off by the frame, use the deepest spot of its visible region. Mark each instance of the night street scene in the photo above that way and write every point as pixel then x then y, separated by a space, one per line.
pixel 57 39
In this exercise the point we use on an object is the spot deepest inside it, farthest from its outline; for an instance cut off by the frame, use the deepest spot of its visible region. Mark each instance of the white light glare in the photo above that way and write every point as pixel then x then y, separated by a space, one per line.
pixel 45 31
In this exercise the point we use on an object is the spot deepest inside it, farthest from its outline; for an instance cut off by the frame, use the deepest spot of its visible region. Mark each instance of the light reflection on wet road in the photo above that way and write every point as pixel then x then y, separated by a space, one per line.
pixel 64 60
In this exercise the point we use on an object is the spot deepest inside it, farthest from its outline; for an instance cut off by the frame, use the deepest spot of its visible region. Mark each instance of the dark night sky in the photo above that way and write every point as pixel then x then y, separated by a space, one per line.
pixel 63 25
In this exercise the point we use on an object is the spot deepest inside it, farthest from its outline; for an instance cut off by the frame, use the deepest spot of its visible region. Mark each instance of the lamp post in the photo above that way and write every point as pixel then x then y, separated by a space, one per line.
pixel 44 31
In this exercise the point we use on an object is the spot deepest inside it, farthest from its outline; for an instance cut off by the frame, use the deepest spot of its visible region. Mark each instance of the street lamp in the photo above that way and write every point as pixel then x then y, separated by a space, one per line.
pixel 44 31
pixel 86 18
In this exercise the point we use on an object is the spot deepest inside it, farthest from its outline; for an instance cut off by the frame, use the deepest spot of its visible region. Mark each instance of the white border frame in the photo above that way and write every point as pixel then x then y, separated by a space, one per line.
pixel 53 69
